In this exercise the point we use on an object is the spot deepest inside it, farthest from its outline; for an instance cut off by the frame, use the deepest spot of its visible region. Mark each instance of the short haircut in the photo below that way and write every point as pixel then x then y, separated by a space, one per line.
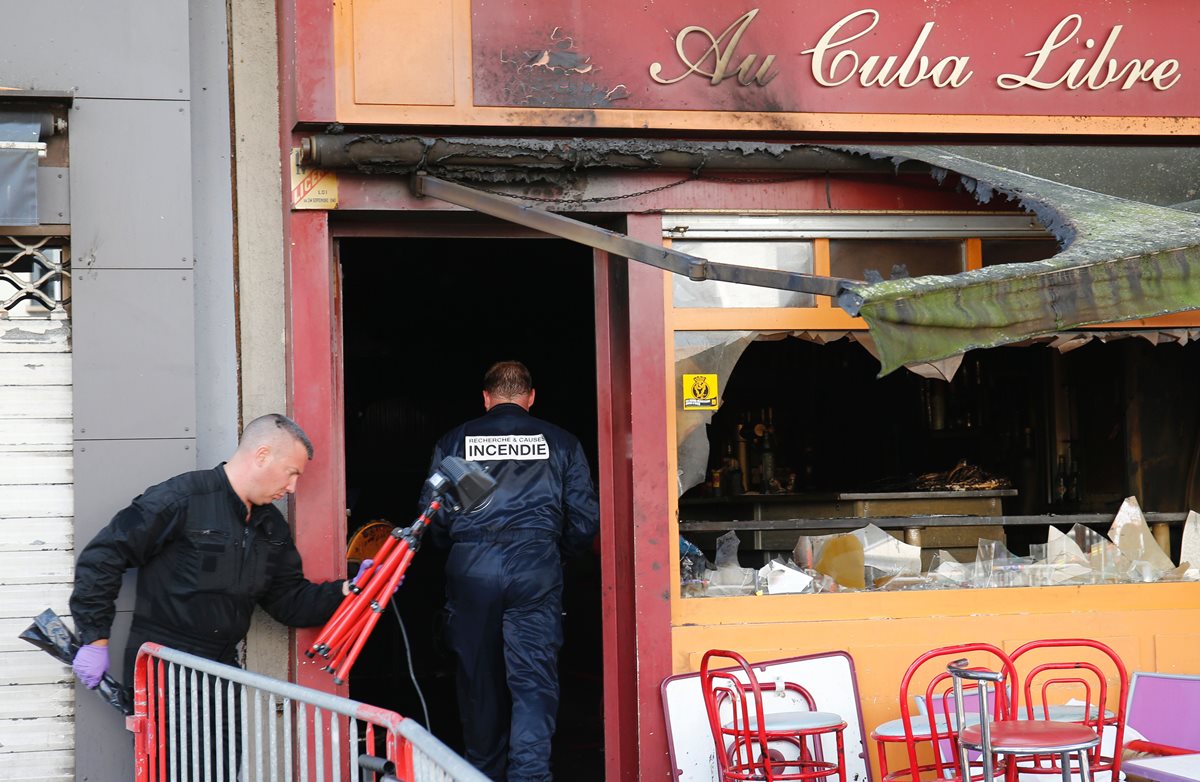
pixel 269 427
pixel 508 380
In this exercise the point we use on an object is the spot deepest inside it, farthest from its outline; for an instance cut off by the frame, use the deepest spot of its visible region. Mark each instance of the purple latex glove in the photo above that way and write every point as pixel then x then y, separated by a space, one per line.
pixel 90 664
pixel 366 563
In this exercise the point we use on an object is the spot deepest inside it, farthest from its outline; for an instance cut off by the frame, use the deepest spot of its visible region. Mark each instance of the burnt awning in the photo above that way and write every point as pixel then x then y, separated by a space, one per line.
pixel 1120 260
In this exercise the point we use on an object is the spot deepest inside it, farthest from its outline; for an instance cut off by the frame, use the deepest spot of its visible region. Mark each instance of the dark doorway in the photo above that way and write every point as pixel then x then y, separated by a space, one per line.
pixel 422 321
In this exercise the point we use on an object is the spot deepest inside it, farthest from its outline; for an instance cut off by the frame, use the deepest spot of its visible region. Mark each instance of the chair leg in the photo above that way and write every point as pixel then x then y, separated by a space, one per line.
pixel 810 749
pixel 881 753
pixel 841 757
pixel 1085 771
pixel 964 761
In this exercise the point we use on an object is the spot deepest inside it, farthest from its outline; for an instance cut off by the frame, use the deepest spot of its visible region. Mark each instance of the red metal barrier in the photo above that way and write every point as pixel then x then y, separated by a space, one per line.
pixel 195 719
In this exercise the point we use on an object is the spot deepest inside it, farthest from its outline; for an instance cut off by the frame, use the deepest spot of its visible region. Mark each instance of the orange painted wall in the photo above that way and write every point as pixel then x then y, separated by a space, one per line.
pixel 1154 627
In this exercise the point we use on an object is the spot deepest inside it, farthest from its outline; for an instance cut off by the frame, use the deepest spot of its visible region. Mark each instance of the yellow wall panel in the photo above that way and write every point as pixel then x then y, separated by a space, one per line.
pixel 1175 654
pixel 404 52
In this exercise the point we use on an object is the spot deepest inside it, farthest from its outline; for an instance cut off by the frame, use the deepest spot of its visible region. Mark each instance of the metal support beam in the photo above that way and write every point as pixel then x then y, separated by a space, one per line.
pixel 690 266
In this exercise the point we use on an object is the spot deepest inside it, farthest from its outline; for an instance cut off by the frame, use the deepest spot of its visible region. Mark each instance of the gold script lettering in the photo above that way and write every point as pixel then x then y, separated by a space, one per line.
pixel 721 53
pixel 828 70
pixel 1103 71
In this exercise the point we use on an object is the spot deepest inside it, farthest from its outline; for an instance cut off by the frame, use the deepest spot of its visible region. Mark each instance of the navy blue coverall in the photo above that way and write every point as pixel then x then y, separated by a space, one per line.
pixel 504 584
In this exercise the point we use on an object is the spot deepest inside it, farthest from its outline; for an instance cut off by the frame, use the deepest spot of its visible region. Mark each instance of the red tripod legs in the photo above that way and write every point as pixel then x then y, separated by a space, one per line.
pixel 342 638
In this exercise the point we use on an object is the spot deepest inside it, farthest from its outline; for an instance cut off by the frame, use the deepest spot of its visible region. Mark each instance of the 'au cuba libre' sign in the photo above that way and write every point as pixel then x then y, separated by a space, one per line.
pixel 835 60
pixel 1130 58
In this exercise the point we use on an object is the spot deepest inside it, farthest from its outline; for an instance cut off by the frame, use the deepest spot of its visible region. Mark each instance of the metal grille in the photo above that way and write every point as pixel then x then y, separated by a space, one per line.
pixel 201 721
pixel 34 277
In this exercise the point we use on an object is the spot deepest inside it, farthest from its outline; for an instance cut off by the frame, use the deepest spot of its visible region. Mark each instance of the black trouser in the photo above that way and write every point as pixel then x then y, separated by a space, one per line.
pixel 505 605
pixel 208 757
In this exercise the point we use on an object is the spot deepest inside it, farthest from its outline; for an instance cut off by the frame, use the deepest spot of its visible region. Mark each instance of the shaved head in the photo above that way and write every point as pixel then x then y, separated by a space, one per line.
pixel 269 459
pixel 273 429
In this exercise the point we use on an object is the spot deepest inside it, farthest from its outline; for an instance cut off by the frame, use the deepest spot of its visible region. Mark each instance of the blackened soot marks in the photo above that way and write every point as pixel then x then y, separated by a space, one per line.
pixel 551 74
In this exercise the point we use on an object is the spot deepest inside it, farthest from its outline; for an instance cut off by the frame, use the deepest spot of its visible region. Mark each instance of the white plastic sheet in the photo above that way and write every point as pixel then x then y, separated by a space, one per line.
pixel 783 579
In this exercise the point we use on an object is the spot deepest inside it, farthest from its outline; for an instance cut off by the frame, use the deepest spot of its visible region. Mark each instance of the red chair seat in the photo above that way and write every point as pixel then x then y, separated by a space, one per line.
pixel 1032 736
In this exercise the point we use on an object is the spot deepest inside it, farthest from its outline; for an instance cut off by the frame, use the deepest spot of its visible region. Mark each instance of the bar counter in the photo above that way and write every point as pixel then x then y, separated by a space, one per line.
pixel 773 519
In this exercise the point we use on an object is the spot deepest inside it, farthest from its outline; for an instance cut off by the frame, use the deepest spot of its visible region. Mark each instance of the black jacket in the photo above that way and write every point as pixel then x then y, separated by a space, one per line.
pixel 202 568
pixel 542 477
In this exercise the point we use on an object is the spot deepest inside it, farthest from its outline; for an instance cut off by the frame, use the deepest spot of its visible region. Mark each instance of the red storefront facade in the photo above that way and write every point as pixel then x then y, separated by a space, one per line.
pixel 696 70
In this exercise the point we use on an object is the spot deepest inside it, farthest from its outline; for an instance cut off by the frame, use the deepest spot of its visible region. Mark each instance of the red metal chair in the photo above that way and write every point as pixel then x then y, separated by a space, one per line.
pixel 1082 670
pixel 929 736
pixel 1010 738
pixel 767 732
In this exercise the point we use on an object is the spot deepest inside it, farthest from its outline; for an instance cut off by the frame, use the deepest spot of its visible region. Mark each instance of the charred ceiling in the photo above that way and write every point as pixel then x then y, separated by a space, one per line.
pixel 1118 259
pixel 559 161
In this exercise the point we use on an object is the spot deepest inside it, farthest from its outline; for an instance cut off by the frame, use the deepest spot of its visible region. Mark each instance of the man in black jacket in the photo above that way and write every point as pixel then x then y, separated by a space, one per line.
pixel 504 574
pixel 209 546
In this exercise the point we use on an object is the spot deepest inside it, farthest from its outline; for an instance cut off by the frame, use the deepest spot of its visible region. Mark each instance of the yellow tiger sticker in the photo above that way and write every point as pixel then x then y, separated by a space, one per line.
pixel 700 392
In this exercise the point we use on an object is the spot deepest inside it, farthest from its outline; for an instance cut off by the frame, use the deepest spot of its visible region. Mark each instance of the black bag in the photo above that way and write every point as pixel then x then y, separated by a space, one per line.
pixel 50 634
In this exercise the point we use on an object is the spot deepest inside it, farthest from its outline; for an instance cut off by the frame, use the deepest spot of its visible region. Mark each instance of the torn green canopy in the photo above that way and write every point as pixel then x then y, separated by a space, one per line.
pixel 1120 260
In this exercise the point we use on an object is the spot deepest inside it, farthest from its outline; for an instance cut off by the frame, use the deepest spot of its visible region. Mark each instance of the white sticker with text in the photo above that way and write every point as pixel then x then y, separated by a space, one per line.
pixel 484 448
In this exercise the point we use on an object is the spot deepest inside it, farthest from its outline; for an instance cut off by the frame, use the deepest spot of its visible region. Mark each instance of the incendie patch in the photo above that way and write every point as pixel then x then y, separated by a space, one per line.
pixel 484 448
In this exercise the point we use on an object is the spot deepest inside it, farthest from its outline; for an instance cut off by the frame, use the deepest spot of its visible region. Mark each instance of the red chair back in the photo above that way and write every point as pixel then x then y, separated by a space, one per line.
pixel 747 748
pixel 1055 669
pixel 927 679
pixel 742 693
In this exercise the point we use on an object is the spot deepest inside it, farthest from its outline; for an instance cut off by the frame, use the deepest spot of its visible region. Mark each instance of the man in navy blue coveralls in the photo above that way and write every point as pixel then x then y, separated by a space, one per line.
pixel 504 574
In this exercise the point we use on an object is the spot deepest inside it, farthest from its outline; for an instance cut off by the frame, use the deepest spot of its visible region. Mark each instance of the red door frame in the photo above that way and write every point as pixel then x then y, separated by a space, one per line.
pixel 631 366
pixel 631 372
pixel 314 375
pixel 615 456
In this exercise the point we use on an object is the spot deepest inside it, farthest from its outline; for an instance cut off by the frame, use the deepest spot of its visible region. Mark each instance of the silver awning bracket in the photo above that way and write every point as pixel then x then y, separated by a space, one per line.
pixel 38 146
pixel 843 291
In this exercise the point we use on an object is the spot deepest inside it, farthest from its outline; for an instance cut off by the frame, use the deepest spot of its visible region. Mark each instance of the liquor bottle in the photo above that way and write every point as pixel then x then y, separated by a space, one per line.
pixel 767 455
pixel 743 452
pixel 721 473
pixel 733 485
pixel 1027 475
